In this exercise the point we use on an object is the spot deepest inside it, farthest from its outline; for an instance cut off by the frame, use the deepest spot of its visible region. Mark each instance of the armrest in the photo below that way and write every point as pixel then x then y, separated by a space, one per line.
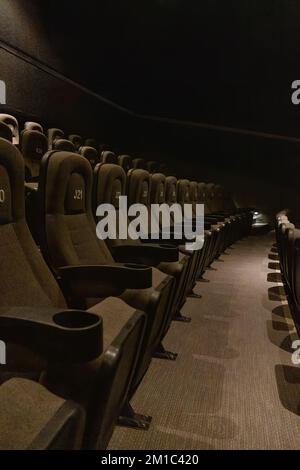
pixel 104 280
pixel 58 335
pixel 145 253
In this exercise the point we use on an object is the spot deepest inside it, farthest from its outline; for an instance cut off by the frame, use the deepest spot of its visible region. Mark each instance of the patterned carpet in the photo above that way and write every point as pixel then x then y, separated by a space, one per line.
pixel 233 385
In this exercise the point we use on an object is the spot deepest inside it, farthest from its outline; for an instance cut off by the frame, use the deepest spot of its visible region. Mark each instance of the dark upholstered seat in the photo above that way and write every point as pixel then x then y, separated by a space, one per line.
pixel 109 185
pixel 32 418
pixel 70 239
pixel 125 161
pixel 76 141
pixel 100 385
pixel 91 154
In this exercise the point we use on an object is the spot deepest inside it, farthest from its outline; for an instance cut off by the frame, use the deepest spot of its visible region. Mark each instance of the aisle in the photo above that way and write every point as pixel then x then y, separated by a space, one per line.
pixel 233 385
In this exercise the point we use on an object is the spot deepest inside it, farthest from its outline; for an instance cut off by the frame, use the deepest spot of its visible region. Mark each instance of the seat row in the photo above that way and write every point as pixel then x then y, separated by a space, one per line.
pixel 287 247
pixel 83 317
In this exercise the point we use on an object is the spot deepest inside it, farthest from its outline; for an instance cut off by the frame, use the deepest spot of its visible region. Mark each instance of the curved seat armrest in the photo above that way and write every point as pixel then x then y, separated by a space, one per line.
pixel 150 254
pixel 58 335
pixel 104 280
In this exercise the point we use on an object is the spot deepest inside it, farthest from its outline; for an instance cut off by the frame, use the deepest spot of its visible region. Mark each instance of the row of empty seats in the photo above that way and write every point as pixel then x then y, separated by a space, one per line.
pixel 287 247
pixel 83 317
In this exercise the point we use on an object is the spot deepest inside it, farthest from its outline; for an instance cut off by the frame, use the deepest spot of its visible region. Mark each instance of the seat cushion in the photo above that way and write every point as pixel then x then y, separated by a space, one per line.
pixel 26 408
pixel 115 314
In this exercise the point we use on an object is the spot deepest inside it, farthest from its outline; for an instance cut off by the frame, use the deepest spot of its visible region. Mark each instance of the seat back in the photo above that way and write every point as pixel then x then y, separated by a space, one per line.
pixel 183 192
pixel 139 163
pixel 152 167
pixel 76 141
pixel 109 185
pixel 33 126
pixel 68 226
pixel 194 195
pixel 210 197
pixel 158 194
pixel 202 197
pixel 171 190
pixel 64 145
pixel 108 157
pixel 34 145
pixel 91 154
pixel 219 200
pixel 138 186
pixel 13 124
pixel 91 142
pixel 5 132
pixel 31 284
pixel 53 135
pixel 125 161
pixel 158 189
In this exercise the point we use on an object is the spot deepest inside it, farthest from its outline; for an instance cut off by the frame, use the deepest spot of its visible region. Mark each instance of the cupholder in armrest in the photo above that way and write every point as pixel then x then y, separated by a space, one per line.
pixel 135 276
pixel 75 319
pixel 59 335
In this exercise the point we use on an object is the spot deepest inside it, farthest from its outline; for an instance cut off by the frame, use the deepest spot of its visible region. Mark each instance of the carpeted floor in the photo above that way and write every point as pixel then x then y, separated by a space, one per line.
pixel 233 385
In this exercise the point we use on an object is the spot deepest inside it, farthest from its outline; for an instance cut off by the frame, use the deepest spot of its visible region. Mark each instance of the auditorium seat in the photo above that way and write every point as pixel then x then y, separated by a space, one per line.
pixel 5 131
pixel 91 154
pixel 152 167
pixel 184 197
pixel 288 248
pixel 33 126
pixel 33 145
pixel 216 228
pixel 13 124
pixel 210 231
pixel 226 220
pixel 139 163
pixel 57 141
pixel 70 243
pixel 76 141
pixel 177 194
pixel 125 161
pixel 83 356
pixel 108 157
pixel 33 418
pixel 109 185
pixel 91 142
pixel 138 191
pixel 54 134
pixel 158 196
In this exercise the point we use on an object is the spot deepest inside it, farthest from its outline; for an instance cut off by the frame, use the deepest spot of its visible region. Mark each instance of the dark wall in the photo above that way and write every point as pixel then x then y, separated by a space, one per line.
pixel 229 63
pixel 57 102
